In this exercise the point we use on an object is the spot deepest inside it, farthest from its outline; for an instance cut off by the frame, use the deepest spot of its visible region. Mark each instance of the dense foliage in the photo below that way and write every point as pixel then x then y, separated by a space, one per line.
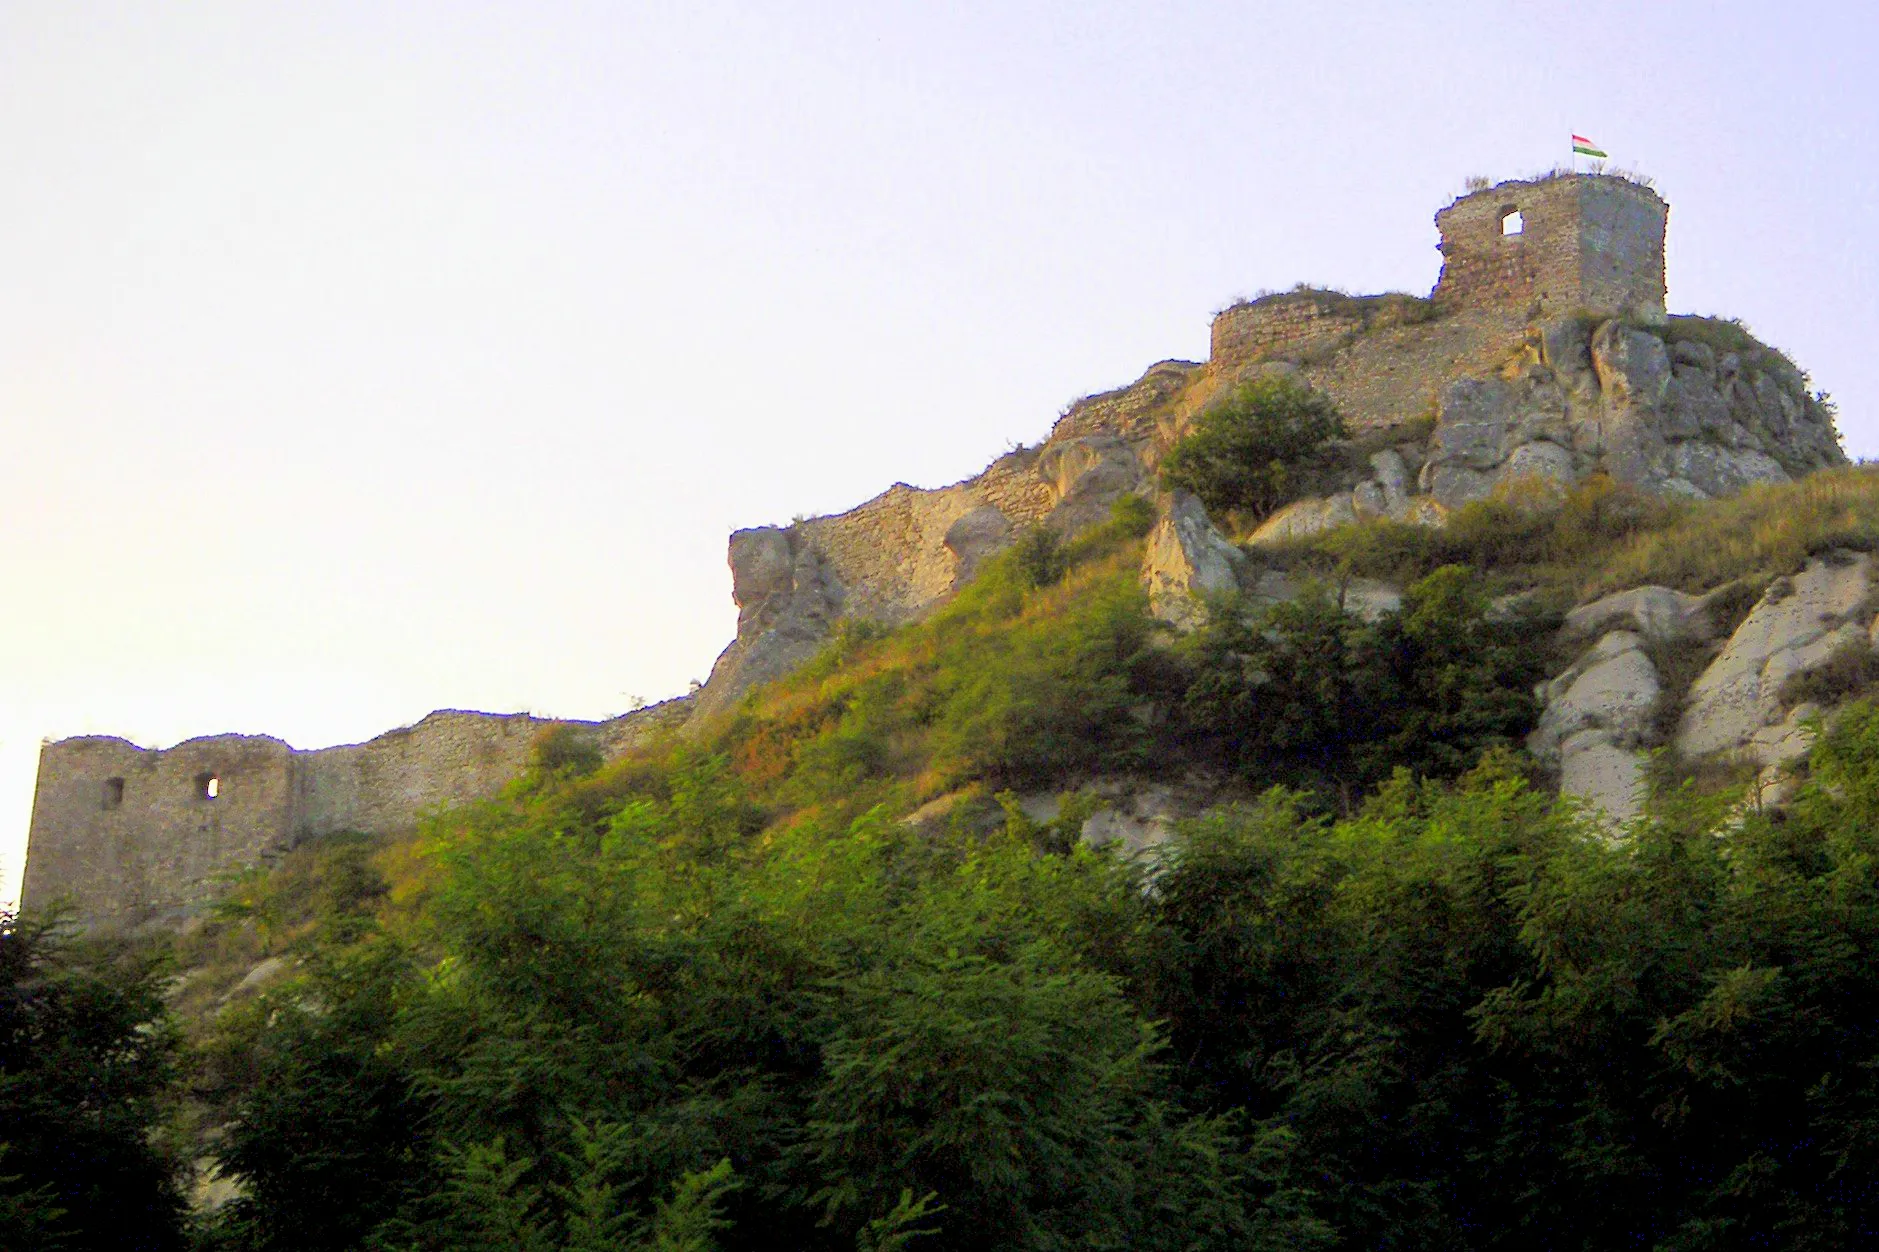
pixel 820 979
pixel 1259 448
pixel 1312 694
pixel 86 1059
pixel 1458 1018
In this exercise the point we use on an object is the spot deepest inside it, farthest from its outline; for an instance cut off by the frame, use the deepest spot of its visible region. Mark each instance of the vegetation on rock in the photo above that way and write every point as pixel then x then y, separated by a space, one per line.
pixel 814 978
pixel 1259 448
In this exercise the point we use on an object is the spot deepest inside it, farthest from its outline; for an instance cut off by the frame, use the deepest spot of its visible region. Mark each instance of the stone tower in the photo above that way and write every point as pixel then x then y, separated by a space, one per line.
pixel 1555 245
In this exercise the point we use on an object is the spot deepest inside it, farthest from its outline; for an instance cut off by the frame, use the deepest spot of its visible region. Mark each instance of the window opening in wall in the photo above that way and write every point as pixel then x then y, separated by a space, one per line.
pixel 208 786
pixel 1511 221
pixel 113 792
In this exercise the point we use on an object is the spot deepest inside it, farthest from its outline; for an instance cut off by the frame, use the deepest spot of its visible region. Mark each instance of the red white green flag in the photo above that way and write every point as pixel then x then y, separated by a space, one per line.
pixel 1581 146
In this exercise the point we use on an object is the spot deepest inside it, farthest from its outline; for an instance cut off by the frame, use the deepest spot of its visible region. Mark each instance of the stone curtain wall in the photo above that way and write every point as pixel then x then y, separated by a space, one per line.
pixel 151 852
pixel 1588 241
pixel 1279 325
pixel 385 784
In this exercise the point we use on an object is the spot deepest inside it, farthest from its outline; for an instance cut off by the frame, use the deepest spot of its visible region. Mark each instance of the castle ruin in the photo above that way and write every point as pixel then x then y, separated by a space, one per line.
pixel 1564 244
pixel 1543 351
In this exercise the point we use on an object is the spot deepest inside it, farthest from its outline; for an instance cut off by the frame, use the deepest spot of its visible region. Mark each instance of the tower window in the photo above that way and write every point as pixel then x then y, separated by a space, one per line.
pixel 113 793
pixel 1511 221
pixel 208 787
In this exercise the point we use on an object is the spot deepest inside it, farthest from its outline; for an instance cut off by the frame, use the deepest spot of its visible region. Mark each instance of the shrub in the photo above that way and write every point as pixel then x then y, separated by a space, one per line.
pixel 1132 515
pixel 1852 670
pixel 568 752
pixel 1261 448
pixel 1310 694
pixel 1039 557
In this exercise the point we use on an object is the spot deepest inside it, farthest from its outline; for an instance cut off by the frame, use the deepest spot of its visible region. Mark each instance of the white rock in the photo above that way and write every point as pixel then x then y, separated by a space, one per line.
pixel 1543 461
pixel 1452 486
pixel 1392 479
pixel 1607 778
pixel 1141 822
pixel 1613 688
pixel 1304 518
pixel 1658 613
pixel 1798 624
pixel 1186 560
pixel 1370 599
pixel 1717 471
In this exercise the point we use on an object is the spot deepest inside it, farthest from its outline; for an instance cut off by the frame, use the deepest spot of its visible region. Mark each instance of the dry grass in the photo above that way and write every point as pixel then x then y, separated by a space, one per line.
pixel 1761 532
pixel 1602 537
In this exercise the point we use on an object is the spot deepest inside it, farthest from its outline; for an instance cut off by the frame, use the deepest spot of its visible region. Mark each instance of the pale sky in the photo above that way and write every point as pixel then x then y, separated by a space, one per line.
pixel 360 359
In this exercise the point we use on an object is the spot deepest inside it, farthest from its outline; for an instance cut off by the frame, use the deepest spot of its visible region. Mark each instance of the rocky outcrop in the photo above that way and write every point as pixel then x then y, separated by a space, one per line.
pixel 1656 613
pixel 1663 414
pixel 1384 495
pixel 1187 562
pixel 1594 723
pixel 1737 705
pixel 1601 715
pixel 787 602
pixel 1139 821
pixel 1598 716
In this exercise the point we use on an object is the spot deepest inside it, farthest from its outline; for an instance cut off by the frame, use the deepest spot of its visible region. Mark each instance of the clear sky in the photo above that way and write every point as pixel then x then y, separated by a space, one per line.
pixel 358 359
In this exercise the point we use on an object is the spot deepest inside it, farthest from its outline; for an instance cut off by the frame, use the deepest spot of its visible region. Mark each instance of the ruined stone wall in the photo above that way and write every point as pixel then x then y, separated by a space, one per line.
pixel 1279 325
pixel 1621 246
pixel 1587 241
pixel 131 836
pixel 388 782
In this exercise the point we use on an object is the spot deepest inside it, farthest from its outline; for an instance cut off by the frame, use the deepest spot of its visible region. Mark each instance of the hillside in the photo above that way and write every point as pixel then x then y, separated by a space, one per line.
pixel 865 957
pixel 1463 839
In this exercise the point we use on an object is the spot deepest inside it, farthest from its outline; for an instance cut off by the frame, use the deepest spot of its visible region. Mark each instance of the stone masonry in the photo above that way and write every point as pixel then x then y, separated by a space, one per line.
pixel 131 836
pixel 1563 244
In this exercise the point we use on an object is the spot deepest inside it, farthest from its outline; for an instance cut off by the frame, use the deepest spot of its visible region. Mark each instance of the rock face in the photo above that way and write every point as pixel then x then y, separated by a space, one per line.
pixel 787 600
pixel 1595 720
pixel 1187 561
pixel 1598 716
pixel 1664 415
pixel 1736 705
pixel 1656 613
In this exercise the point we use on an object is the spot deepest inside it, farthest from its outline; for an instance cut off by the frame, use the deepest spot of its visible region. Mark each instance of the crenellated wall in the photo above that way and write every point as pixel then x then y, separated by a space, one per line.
pixel 1290 322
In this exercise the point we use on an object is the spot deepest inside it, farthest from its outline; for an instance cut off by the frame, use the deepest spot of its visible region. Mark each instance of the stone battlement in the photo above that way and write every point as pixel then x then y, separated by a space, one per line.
pixel 1295 323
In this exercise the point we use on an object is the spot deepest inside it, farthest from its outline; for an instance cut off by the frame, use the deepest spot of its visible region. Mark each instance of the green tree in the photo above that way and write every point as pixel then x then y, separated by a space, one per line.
pixel 326 1135
pixel 1258 449
pixel 87 1057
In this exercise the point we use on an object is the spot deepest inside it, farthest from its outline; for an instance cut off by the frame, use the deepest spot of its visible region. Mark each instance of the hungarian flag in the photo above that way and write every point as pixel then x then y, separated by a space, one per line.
pixel 1582 146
